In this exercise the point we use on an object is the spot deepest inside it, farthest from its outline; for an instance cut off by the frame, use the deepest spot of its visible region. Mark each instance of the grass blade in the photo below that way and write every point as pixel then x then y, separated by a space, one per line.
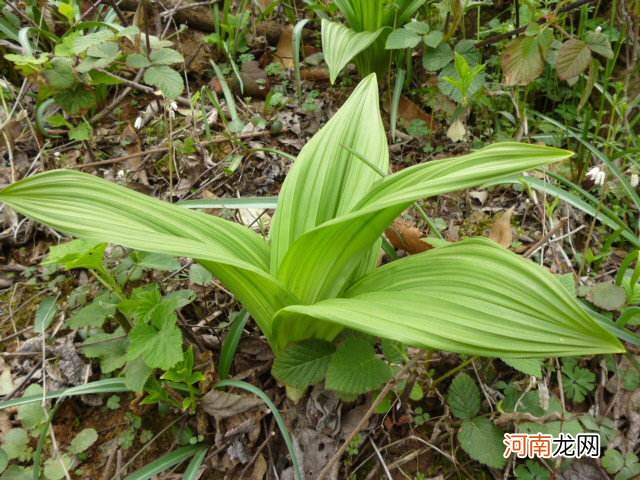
pixel 166 462
pixel 191 473
pixel 395 100
pixel 230 343
pixel 288 439
pixel 297 43
pixel 233 203
pixel 109 385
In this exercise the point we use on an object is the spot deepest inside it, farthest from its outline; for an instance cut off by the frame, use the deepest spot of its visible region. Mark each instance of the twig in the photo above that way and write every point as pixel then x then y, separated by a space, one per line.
pixel 365 418
pixel 532 249
pixel 139 86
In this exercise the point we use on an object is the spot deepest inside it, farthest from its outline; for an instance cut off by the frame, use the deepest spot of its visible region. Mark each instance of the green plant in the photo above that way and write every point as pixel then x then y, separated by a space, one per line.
pixel 370 23
pixel 317 275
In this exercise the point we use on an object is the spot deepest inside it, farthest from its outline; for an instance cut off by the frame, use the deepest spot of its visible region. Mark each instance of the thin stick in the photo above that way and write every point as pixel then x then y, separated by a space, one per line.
pixel 532 249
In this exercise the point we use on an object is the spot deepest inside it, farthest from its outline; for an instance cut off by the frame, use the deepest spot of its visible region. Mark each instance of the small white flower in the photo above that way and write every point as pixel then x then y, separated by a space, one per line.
pixel 598 29
pixel 138 123
pixel 173 106
pixel 635 180
pixel 597 175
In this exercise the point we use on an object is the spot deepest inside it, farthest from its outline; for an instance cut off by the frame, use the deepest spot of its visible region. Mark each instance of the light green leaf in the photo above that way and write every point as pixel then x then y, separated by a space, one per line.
pixel 341 44
pixel 436 58
pixel 199 275
pixel 608 296
pixel 433 39
pixel 354 368
pixel 110 348
pixel 530 366
pixel 327 179
pixel 166 79
pixel 402 38
pixel 45 314
pixel 80 132
pixel 33 415
pixel 60 76
pixel 136 374
pixel 160 348
pixel 156 261
pixel 15 444
pixel 137 60
pixel 303 364
pixel 165 56
pixel 57 468
pixel 83 440
pixel 522 61
pixel 574 56
pixel 77 254
pixel 470 297
pixel 320 263
pixel 104 50
pixel 599 43
pixel 83 43
pixel 482 440
pixel 613 461
pixel 4 460
pixel 464 397
pixel 99 211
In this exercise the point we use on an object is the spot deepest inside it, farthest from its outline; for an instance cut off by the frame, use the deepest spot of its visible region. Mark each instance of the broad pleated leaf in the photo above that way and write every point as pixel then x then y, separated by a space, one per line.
pixel 89 207
pixel 327 179
pixel 341 44
pixel 472 297
pixel 320 263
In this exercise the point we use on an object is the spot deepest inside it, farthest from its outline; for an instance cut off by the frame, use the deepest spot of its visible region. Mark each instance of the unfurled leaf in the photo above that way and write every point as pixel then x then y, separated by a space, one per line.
pixel 160 347
pixel 522 61
pixel 137 60
pixel 60 75
pixel 341 44
pixel 608 296
pixel 109 348
pixel 402 38
pixel 165 79
pixel 142 302
pixel 81 44
pixel 104 50
pixel 136 374
pixel 437 58
pixel 32 415
pixel 76 100
pixel 530 366
pixel 45 314
pixel 464 397
pixel 165 56
pixel 83 441
pixel 482 440
pixel 599 43
pixel 77 254
pixel 433 38
pixel 354 368
pixel 303 364
pixel 574 57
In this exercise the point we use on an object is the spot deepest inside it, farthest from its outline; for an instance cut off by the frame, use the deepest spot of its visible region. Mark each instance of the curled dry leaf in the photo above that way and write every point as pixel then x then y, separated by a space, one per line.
pixel 221 405
pixel 501 232
pixel 405 236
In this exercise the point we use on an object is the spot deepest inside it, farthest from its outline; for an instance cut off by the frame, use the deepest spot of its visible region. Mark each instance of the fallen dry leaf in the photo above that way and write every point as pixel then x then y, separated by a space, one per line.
pixel 221 405
pixel 456 131
pixel 405 236
pixel 501 232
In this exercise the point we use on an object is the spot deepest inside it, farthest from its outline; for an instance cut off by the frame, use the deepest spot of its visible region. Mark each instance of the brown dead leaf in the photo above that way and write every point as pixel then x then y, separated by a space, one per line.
pixel 221 405
pixel 259 468
pixel 501 232
pixel 403 235
pixel 316 74
pixel 284 50
pixel 409 111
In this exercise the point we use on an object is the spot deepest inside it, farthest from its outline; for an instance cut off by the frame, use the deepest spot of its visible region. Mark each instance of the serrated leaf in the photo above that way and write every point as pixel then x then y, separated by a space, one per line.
pixel 109 348
pixel 45 314
pixel 612 461
pixel 166 79
pixel 464 397
pixel 303 364
pixel 530 366
pixel 95 313
pixel 608 296
pixel 141 303
pixel 165 56
pixel 159 347
pixel 81 132
pixel 482 441
pixel 402 38
pixel 104 50
pixel 60 75
pixel 436 58
pixel 522 61
pixel 354 368
pixel 77 254
pixel 574 56
pixel 599 43
pixel 341 44
pixel 76 100
pixel 137 60
pixel 83 440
